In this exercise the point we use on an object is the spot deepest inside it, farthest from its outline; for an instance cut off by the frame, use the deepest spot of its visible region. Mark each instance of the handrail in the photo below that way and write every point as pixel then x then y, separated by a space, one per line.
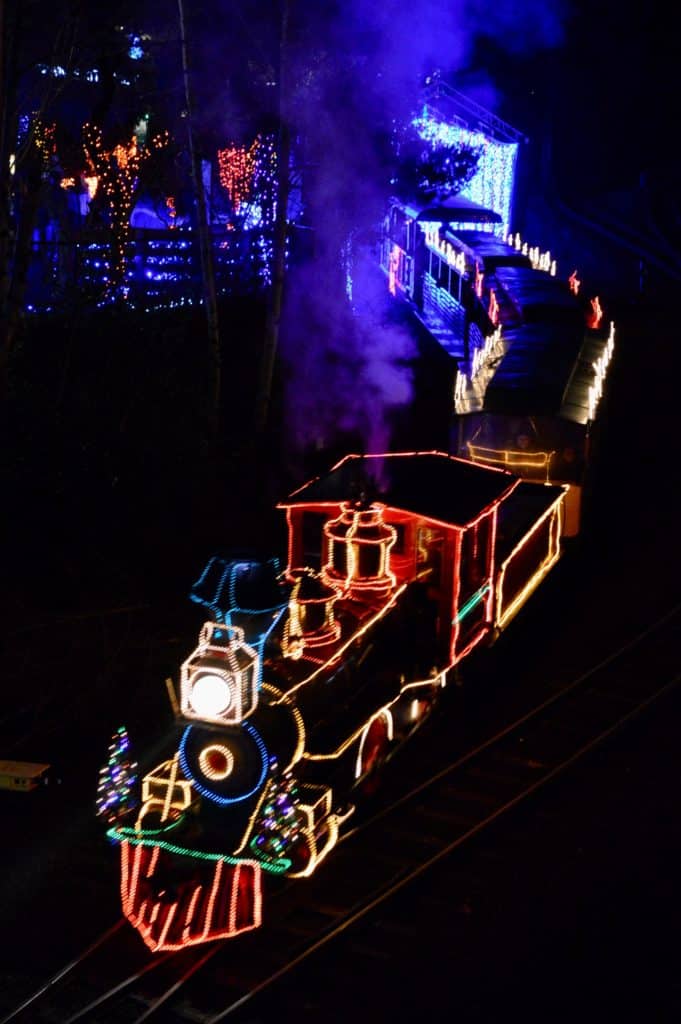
pixel 511 457
pixel 436 89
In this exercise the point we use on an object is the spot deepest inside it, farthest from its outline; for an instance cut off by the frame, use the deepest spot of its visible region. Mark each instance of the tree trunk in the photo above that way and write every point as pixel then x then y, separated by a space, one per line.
pixel 205 242
pixel 28 197
pixel 6 107
pixel 273 320
pixel 271 340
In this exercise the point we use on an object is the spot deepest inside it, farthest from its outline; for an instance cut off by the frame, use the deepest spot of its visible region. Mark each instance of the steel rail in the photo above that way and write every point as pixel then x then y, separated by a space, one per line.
pixel 384 892
pixel 63 972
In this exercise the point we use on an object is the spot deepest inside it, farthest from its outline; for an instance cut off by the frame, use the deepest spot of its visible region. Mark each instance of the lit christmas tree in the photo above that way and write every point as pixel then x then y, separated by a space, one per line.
pixel 117 780
pixel 113 177
pixel 279 823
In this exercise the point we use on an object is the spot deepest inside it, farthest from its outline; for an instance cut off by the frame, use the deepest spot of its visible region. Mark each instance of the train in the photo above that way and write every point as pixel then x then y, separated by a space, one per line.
pixel 311 669
pixel 529 350
pixel 314 665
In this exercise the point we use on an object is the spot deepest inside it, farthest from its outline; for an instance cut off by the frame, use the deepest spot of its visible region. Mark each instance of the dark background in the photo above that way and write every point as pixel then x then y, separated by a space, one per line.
pixel 112 507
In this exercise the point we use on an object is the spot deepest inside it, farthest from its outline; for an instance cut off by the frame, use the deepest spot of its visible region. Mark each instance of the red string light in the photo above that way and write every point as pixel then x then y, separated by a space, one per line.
pixel 237 166
pixel 479 275
pixel 117 172
pixel 595 317
pixel 493 307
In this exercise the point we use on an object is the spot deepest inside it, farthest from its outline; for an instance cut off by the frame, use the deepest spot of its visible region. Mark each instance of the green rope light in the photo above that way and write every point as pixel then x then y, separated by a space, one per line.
pixel 146 837
pixel 471 602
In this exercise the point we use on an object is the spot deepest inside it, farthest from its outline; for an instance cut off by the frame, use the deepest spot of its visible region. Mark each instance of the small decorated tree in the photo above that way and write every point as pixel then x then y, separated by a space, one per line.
pixel 117 780
pixel 279 823
pixel 114 177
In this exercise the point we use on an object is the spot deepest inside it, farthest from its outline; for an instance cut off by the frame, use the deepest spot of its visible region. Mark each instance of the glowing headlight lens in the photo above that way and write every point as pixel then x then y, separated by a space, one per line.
pixel 210 695
pixel 216 762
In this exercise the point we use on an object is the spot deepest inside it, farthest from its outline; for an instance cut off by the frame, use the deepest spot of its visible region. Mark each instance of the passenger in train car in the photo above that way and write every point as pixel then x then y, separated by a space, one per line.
pixel 523 435
pixel 567 464
pixel 484 432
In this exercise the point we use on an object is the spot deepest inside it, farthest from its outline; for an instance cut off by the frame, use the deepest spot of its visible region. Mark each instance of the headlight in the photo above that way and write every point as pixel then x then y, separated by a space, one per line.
pixel 210 695
pixel 219 680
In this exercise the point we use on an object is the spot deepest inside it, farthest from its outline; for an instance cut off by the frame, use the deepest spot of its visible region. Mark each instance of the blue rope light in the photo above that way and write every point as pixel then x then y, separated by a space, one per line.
pixel 203 790
pixel 259 643
pixel 233 603
pixel 234 608
pixel 150 838
pixel 228 580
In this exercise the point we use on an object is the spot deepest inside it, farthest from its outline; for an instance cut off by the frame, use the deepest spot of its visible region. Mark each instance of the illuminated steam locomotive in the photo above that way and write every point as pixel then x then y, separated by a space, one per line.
pixel 307 675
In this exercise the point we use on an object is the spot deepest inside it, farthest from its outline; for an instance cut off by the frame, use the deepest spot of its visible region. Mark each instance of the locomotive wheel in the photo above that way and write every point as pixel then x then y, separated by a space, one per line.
pixel 374 753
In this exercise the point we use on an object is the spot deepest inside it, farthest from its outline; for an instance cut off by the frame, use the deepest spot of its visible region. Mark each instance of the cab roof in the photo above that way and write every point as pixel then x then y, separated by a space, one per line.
pixel 434 485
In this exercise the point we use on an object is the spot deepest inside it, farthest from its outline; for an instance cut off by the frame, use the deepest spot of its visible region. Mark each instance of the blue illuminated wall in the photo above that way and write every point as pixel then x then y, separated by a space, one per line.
pixel 494 181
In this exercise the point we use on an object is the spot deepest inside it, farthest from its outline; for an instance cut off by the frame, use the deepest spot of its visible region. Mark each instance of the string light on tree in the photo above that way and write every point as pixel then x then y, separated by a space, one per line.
pixel 163 273
pixel 42 136
pixel 117 172
pixel 237 166
pixel 492 184
pixel 91 183
pixel 172 211
pixel 248 175
pixel 265 179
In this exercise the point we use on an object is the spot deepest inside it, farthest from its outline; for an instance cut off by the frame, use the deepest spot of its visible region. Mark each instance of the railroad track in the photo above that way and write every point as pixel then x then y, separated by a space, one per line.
pixel 393 844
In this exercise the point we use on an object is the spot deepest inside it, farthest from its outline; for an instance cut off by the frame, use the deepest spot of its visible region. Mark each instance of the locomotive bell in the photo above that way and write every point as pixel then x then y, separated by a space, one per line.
pixel 358 552
pixel 311 619
pixel 219 680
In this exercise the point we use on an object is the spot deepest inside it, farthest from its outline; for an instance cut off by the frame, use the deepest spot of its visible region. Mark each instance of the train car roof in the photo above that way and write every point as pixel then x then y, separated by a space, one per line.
pixel 535 370
pixel 453 209
pixel 493 251
pixel 538 296
pixel 548 366
pixel 434 485
pixel 547 371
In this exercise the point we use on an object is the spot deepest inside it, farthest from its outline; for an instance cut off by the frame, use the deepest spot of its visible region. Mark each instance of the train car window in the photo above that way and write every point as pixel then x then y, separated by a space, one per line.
pixel 429 546
pixel 393 222
pixel 398 547
pixel 313 538
pixel 474 557
pixel 482 552
pixel 455 285
pixel 398 228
